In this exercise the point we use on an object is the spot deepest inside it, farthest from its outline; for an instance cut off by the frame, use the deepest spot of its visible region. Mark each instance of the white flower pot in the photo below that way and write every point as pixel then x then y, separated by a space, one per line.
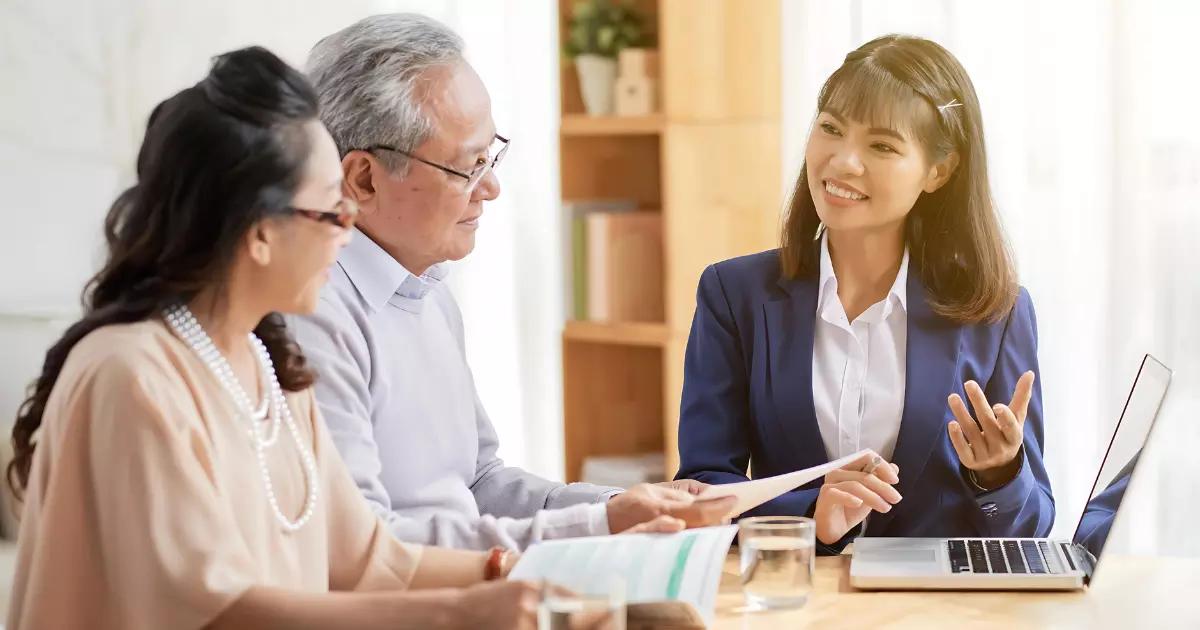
pixel 597 81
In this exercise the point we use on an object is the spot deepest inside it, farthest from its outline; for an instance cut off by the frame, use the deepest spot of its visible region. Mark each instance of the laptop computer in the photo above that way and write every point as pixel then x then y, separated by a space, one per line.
pixel 1023 563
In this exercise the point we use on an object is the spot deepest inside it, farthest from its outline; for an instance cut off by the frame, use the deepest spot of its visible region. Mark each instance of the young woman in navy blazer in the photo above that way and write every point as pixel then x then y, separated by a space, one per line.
pixel 891 305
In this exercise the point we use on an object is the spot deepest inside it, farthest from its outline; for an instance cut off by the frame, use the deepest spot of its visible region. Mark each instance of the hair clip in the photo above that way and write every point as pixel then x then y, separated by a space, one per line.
pixel 953 103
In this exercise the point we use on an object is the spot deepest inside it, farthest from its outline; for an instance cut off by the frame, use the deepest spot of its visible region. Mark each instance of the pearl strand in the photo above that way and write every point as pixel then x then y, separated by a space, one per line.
pixel 185 323
pixel 186 326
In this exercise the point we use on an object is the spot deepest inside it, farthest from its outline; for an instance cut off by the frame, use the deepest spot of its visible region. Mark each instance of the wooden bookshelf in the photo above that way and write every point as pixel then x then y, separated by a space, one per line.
pixel 620 334
pixel 710 162
pixel 584 125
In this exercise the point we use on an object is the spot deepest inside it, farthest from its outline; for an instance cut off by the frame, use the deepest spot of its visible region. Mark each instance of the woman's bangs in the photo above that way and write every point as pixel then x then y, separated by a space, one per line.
pixel 867 94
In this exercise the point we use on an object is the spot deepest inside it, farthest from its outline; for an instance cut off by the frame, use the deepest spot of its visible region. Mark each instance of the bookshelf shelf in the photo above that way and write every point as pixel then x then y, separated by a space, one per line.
pixel 623 334
pixel 584 125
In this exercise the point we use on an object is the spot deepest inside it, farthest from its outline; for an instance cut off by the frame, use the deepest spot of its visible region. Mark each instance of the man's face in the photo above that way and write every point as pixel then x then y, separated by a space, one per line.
pixel 428 215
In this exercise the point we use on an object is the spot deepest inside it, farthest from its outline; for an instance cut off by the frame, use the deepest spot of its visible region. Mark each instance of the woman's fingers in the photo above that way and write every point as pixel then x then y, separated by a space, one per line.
pixel 970 429
pixel 871 463
pixel 869 497
pixel 965 455
pixel 837 496
pixel 881 488
pixel 979 403
pixel 1022 395
pixel 1009 426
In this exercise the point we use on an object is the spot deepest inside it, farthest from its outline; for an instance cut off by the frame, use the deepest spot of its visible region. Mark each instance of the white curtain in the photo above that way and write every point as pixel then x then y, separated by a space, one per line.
pixel 1095 166
pixel 80 77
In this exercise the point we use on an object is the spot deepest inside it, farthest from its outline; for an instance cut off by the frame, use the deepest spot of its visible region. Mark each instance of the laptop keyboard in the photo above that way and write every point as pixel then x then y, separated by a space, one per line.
pixel 1002 556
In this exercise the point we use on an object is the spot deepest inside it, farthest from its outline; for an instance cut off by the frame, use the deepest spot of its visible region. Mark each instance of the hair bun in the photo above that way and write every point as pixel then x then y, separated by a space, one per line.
pixel 255 85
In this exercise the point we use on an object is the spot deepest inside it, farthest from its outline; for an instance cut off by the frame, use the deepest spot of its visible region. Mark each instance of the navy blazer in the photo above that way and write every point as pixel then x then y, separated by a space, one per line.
pixel 747 397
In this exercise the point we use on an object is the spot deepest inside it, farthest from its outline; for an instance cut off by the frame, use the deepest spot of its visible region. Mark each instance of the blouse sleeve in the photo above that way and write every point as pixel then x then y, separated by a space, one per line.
pixel 364 555
pixel 172 556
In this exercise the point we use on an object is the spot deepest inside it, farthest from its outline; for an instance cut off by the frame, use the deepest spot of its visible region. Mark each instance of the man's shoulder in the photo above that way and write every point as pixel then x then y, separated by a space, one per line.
pixel 341 311
pixel 339 293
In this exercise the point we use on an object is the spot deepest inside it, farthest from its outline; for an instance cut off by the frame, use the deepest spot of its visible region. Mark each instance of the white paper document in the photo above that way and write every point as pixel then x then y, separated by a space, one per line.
pixel 668 577
pixel 751 494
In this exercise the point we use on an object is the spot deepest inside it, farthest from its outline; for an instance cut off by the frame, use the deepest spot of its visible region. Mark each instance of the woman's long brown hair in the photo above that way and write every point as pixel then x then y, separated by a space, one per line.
pixel 217 158
pixel 954 236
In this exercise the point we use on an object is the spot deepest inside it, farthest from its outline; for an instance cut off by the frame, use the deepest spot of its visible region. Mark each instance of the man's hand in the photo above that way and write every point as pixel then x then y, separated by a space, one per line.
pixel 690 486
pixel 646 502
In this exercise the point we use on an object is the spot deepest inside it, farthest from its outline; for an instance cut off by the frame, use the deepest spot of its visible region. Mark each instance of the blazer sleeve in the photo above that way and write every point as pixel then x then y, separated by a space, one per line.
pixel 714 423
pixel 715 426
pixel 1024 507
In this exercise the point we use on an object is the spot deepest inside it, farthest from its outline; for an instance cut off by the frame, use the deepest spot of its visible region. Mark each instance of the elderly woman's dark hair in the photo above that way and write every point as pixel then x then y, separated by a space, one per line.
pixel 217 158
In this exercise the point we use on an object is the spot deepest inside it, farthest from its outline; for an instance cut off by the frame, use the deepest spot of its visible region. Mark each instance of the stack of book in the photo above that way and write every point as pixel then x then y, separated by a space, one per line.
pixel 616 262
pixel 619 471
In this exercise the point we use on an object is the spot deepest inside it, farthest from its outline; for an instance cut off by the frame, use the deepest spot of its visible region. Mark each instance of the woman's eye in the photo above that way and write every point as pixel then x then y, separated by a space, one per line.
pixel 830 129
pixel 883 148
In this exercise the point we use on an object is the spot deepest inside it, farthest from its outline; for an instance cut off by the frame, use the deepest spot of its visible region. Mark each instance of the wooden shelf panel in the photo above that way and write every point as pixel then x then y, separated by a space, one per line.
pixel 584 125
pixel 638 334
pixel 613 402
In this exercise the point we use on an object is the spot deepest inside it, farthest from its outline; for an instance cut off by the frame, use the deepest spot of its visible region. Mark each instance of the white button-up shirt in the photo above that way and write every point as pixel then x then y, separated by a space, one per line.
pixel 858 367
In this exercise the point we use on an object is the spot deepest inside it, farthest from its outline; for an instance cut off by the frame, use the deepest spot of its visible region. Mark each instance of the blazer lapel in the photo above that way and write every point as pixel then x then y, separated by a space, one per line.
pixel 930 366
pixel 789 345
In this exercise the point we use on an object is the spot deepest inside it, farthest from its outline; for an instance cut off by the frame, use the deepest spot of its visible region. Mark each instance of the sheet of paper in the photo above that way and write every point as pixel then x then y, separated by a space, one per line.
pixel 751 494
pixel 684 567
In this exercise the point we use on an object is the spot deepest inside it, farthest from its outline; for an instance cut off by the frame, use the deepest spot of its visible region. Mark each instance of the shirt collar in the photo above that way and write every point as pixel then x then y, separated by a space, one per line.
pixel 898 294
pixel 377 276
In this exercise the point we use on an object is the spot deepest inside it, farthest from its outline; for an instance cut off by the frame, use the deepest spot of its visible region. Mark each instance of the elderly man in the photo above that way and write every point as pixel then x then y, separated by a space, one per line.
pixel 413 123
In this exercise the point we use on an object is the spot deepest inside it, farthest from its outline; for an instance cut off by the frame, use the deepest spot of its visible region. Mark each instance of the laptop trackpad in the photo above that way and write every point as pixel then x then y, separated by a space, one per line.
pixel 907 556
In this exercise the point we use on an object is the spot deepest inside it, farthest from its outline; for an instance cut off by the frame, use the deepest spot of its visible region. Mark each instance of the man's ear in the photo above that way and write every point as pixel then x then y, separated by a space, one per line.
pixel 940 173
pixel 358 170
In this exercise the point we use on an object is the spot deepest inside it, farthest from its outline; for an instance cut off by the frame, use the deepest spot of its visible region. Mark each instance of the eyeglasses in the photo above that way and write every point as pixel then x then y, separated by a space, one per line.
pixel 495 153
pixel 343 215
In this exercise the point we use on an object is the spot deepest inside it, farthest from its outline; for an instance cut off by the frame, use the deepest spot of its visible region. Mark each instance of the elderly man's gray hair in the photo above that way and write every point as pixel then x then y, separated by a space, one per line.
pixel 369 80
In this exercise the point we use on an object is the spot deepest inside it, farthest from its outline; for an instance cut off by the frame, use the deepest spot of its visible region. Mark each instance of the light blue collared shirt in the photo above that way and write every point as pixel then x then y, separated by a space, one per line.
pixel 394 387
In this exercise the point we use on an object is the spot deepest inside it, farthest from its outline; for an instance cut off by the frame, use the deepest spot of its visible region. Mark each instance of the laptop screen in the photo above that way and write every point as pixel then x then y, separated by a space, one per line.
pixel 1129 438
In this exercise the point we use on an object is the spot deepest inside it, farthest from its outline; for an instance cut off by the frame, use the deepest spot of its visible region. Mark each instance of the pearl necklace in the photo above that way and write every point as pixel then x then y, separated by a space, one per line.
pixel 185 325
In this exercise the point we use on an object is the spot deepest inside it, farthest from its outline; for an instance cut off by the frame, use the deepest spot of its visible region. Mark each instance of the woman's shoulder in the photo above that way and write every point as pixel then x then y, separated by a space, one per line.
pixel 765 264
pixel 745 275
pixel 135 346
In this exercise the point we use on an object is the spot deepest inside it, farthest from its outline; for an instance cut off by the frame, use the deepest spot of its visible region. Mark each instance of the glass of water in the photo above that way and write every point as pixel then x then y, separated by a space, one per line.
pixel 777 560
pixel 560 610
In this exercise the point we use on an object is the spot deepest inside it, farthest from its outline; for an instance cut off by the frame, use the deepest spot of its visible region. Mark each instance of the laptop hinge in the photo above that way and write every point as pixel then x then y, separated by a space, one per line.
pixel 1086 559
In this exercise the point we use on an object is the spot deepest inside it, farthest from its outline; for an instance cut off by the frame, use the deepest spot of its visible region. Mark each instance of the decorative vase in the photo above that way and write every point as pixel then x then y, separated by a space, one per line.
pixel 597 81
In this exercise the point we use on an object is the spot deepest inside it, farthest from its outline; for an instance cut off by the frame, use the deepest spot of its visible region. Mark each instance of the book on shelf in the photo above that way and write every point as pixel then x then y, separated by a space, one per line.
pixel 624 471
pixel 616 264
pixel 575 214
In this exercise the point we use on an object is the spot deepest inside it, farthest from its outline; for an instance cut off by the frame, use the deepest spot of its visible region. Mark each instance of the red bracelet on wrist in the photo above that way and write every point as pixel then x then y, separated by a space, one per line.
pixel 494 569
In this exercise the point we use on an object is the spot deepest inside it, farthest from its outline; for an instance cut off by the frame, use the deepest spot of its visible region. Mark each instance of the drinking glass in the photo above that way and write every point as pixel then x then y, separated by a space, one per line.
pixel 777 560
pixel 574 611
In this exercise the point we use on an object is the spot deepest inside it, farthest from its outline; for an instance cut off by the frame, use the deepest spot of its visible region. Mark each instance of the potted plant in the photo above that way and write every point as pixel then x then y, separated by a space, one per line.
pixel 597 32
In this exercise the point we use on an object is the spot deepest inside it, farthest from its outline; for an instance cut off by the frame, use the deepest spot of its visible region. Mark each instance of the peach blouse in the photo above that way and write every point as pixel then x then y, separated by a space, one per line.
pixel 146 506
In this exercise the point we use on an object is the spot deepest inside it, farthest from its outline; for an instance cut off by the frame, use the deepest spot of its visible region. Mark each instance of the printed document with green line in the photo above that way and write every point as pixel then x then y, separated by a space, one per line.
pixel 669 578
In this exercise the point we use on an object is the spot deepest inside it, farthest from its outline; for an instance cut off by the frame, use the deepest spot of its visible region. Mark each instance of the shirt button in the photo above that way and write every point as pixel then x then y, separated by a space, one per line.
pixel 990 509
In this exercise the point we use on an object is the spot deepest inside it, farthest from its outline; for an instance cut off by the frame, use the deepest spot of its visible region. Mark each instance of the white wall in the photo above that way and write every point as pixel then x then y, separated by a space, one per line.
pixel 81 76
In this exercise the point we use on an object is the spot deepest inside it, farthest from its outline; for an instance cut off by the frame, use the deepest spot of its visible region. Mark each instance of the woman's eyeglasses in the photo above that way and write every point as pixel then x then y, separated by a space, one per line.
pixel 343 214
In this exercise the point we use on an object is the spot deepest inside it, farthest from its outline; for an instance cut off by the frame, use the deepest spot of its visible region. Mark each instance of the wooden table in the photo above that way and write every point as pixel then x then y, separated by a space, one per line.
pixel 1128 592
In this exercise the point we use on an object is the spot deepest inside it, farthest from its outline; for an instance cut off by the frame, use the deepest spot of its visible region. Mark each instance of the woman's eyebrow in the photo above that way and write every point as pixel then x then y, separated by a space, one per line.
pixel 875 131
